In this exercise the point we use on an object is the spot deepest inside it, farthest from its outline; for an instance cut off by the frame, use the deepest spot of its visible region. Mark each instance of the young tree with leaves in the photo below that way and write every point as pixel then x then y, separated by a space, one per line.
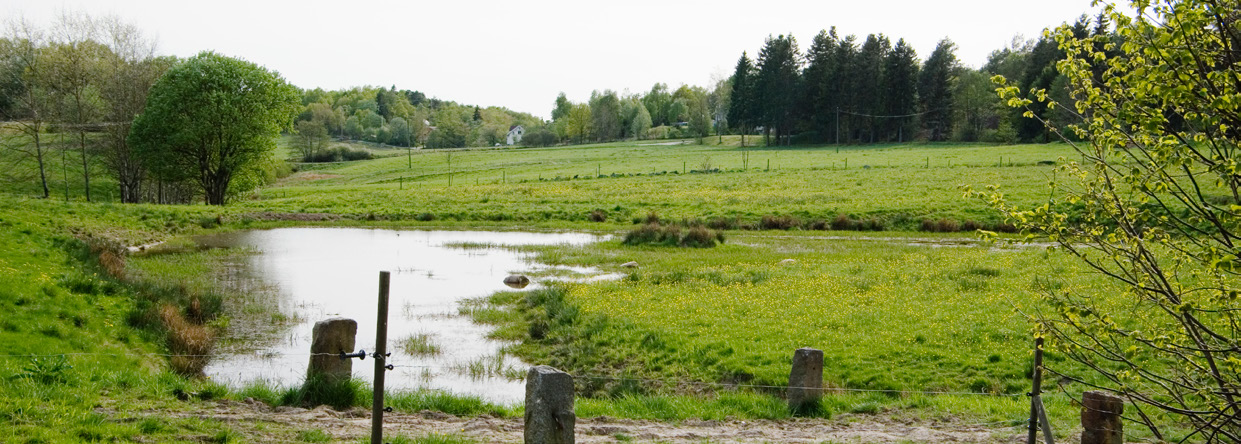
pixel 1154 204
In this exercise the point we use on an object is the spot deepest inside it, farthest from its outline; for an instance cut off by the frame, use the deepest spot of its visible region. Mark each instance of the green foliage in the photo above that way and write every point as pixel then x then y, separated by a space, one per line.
pixel 211 117
pixel 1152 205
pixel 935 90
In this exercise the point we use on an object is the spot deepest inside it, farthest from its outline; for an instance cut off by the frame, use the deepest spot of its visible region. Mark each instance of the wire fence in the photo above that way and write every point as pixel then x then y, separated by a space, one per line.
pixel 660 381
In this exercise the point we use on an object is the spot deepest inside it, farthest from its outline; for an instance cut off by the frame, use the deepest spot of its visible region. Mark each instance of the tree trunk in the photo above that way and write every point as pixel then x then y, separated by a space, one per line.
pixel 85 165
pixel 38 150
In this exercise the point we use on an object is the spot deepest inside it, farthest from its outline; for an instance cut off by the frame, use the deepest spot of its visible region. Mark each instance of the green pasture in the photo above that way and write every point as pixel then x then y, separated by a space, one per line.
pixel 630 179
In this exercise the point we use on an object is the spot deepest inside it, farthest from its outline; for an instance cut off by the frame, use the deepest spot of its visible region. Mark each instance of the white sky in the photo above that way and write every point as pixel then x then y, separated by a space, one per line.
pixel 520 55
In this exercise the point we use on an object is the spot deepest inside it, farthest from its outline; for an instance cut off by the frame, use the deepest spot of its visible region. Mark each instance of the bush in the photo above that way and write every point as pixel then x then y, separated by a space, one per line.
pixel 697 236
pixel 940 226
pixel 786 222
pixel 338 154
pixel 598 216
pixel 538 137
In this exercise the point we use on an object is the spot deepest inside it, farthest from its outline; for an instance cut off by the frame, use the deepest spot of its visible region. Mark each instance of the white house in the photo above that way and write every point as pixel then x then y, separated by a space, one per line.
pixel 515 133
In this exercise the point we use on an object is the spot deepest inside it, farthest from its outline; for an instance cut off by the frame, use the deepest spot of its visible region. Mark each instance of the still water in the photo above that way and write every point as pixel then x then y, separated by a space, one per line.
pixel 321 273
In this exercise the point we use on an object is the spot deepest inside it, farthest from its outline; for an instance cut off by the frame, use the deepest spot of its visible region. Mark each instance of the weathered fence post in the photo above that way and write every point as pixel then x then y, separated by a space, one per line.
pixel 549 406
pixel 381 359
pixel 806 378
pixel 329 339
pixel 1101 418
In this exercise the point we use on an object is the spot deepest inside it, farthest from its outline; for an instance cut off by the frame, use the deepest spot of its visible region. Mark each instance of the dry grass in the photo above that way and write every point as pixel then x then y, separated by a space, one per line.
pixel 189 343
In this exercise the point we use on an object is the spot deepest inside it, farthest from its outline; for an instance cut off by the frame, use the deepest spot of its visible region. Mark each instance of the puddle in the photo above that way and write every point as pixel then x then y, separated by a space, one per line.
pixel 320 273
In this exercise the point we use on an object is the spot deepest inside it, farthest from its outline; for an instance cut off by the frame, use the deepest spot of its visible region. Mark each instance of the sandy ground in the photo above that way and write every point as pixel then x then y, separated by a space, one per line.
pixel 258 422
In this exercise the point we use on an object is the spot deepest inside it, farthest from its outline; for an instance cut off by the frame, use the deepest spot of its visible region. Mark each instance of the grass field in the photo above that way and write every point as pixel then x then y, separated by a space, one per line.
pixel 628 180
pixel 893 311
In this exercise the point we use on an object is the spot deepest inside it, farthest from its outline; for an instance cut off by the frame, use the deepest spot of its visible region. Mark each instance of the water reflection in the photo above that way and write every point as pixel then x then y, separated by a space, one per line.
pixel 319 273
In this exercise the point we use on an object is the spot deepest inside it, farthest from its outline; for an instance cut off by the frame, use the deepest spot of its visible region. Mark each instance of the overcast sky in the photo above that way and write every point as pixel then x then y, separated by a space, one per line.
pixel 520 55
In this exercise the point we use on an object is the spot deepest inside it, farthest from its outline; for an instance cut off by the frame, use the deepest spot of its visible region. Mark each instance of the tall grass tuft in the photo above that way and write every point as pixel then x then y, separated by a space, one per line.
pixel 316 391
pixel 190 343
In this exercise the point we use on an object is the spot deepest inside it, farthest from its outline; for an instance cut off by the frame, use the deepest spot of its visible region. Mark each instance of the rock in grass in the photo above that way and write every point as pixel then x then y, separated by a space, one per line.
pixel 629 265
pixel 787 262
pixel 517 281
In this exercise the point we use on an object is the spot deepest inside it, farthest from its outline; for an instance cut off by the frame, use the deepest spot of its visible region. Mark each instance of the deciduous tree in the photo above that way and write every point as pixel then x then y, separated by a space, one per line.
pixel 1154 203
pixel 210 118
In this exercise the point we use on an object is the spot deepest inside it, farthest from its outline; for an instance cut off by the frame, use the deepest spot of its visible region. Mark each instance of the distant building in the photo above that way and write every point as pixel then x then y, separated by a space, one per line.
pixel 514 134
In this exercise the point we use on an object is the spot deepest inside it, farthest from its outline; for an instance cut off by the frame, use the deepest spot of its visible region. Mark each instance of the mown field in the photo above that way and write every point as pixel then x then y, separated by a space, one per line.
pixel 898 311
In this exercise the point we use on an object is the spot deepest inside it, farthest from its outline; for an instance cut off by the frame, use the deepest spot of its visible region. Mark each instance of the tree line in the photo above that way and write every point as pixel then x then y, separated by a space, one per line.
pixel 842 89
pixel 402 118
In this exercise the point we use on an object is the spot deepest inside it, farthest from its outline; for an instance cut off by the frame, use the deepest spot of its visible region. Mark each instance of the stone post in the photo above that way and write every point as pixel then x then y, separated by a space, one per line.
pixel 1101 418
pixel 329 339
pixel 806 378
pixel 549 406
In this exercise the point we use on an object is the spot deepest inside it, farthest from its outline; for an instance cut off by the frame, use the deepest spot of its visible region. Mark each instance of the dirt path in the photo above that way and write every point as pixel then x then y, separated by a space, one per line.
pixel 261 423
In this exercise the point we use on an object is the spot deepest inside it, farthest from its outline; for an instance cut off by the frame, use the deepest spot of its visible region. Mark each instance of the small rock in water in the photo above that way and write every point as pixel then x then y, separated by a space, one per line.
pixel 630 265
pixel 787 262
pixel 517 281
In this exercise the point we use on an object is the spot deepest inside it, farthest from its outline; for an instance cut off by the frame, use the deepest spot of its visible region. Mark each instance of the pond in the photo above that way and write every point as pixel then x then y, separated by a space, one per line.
pixel 321 273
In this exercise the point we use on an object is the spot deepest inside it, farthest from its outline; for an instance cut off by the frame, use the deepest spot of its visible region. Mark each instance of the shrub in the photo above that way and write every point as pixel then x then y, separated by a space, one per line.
pixel 940 226
pixel 697 236
pixel 598 216
pixel 843 222
pixel 769 222
pixel 338 154
pixel 724 223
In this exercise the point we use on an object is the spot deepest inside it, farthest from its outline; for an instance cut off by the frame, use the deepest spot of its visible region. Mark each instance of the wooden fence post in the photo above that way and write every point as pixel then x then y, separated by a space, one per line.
pixel 1101 418
pixel 549 406
pixel 806 378
pixel 329 339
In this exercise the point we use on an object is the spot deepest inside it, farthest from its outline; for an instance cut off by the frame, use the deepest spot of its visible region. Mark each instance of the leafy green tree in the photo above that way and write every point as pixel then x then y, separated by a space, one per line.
pixel 450 131
pixel 777 83
pixel 1153 203
pixel 578 122
pixel 563 106
pixel 741 107
pixel 975 104
pixel 641 123
pixel 605 115
pixel 399 132
pixel 657 102
pixel 311 139
pixel 698 112
pixel 211 118
pixel 935 90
